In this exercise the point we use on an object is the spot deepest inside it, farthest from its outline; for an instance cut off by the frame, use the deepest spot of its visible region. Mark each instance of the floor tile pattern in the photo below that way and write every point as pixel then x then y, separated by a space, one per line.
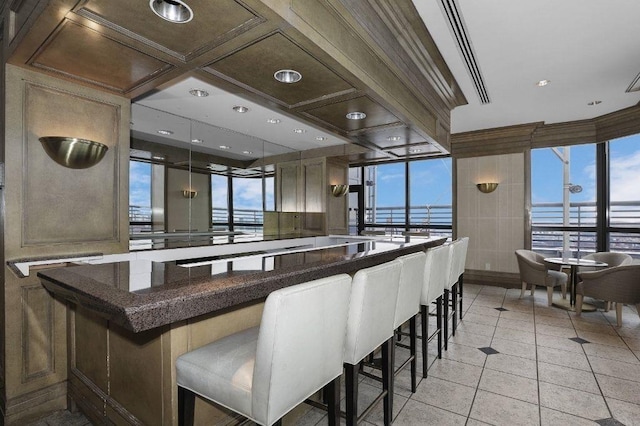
pixel 512 362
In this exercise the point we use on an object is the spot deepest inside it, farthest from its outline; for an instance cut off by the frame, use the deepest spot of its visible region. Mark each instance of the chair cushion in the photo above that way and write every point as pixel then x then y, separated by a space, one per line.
pixel 559 277
pixel 222 371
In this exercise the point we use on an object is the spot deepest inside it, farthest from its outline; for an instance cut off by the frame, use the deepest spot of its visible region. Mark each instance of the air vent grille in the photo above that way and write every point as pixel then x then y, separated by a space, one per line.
pixel 459 31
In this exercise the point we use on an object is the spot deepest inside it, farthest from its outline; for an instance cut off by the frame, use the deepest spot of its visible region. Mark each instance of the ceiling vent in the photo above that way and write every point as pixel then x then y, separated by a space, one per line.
pixel 460 33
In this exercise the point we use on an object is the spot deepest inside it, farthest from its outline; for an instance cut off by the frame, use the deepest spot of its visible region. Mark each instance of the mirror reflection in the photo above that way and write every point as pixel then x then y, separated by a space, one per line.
pixel 202 169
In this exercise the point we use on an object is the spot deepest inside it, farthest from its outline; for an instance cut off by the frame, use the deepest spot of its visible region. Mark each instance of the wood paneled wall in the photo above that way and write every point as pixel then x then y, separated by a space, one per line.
pixel 50 211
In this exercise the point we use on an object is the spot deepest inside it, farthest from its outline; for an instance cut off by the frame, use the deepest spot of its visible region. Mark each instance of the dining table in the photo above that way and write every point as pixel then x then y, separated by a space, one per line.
pixel 574 263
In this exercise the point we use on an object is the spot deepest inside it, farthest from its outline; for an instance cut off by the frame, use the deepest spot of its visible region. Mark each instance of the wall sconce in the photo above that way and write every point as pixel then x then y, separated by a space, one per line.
pixel 339 190
pixel 487 187
pixel 73 153
pixel 189 193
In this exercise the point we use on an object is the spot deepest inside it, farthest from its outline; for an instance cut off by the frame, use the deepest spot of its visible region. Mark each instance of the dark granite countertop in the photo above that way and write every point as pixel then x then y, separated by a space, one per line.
pixel 141 295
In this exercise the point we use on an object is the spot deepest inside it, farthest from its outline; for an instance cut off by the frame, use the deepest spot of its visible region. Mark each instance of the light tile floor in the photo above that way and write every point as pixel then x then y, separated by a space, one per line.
pixel 546 366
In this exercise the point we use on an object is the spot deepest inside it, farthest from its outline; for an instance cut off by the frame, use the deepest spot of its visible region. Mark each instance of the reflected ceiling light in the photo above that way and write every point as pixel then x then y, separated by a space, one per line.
pixel 189 193
pixel 287 76
pixel 175 11
pixel 273 121
pixel 321 138
pixel 224 147
pixel 593 103
pixel 415 151
pixel 165 132
pixel 394 138
pixel 247 152
pixel 241 109
pixel 196 141
pixel 356 115
pixel 543 83
pixel 199 93
pixel 299 131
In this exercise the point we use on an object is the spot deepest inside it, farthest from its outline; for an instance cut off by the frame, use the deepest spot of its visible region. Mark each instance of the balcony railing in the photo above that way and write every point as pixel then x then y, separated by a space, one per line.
pixel 437 219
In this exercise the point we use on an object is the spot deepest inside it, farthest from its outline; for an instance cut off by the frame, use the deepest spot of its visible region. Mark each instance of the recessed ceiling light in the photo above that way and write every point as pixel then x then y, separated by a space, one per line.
pixel 273 121
pixel 593 103
pixel 356 115
pixel 196 141
pixel 394 138
pixel 542 83
pixel 299 131
pixel 241 109
pixel 321 138
pixel 287 76
pixel 165 132
pixel 175 11
pixel 199 93
pixel 157 157
pixel 415 150
pixel 224 147
pixel 247 152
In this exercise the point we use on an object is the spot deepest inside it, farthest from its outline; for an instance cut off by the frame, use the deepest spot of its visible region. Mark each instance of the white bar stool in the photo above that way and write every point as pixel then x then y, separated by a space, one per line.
pixel 435 278
pixel 374 292
pixel 459 266
pixel 266 371
pixel 408 305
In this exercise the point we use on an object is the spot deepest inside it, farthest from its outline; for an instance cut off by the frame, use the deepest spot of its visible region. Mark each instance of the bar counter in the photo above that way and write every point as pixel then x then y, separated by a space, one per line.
pixel 129 316
pixel 142 294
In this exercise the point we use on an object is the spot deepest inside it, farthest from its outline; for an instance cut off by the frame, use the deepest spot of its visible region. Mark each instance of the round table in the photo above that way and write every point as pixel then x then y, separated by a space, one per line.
pixel 574 263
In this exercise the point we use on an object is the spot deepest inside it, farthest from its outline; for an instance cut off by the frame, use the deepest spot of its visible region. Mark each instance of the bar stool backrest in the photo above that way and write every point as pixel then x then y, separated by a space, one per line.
pixel 457 254
pixel 436 273
pixel 411 280
pixel 462 255
pixel 374 293
pixel 300 344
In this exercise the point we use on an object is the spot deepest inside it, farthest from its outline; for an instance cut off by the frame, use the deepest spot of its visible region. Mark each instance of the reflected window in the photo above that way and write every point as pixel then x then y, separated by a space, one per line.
pixel 139 197
pixel 247 205
pixel 219 202
pixel 385 196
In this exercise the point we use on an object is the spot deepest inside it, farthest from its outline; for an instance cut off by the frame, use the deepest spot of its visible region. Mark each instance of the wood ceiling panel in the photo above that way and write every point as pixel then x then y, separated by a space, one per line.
pixel 254 66
pixel 335 114
pixel 395 137
pixel 84 54
pixel 414 151
pixel 213 23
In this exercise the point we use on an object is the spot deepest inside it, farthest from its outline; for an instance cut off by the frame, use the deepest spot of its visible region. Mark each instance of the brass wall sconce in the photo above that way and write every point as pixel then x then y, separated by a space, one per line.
pixel 339 190
pixel 73 153
pixel 189 193
pixel 487 187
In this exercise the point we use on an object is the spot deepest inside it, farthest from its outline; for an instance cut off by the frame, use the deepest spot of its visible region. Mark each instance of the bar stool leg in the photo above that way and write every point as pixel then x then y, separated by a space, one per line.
pixel 332 395
pixel 454 300
pixel 460 281
pixel 412 344
pixel 439 325
pixel 446 319
pixel 424 319
pixel 186 406
pixel 351 391
pixel 387 379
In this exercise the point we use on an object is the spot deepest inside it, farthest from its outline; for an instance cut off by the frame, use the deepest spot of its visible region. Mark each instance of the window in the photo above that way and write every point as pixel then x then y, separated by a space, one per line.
pixel 563 200
pixel 624 197
pixel 247 204
pixel 430 194
pixel 219 202
pixel 413 196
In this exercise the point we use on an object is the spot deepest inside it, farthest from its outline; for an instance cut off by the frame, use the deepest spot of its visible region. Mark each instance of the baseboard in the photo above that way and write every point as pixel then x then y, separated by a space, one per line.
pixel 493 278
pixel 34 405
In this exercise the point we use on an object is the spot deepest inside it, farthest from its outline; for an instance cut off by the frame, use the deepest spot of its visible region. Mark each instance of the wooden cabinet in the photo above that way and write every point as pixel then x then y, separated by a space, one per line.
pixel 304 186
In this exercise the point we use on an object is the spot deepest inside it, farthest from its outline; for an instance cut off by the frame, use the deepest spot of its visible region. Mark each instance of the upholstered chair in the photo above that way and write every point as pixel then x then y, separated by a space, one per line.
pixel 610 258
pixel 266 371
pixel 619 284
pixel 534 271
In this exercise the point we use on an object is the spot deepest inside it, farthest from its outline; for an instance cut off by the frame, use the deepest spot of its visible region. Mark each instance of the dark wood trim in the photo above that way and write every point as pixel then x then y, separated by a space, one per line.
pixel 501 140
pixel 500 279
pixel 564 134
